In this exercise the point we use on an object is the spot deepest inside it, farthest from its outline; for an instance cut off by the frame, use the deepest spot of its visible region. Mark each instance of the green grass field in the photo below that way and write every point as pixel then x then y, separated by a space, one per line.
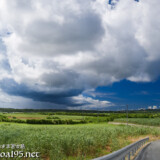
pixel 25 116
pixel 71 142
pixel 142 121
pixel 50 118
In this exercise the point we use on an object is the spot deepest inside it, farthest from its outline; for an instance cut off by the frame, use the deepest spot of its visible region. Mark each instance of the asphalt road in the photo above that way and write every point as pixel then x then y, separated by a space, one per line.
pixel 151 152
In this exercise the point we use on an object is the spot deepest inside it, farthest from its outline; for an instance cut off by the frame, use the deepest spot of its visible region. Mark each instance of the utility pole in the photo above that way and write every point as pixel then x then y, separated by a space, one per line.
pixel 97 114
pixel 127 113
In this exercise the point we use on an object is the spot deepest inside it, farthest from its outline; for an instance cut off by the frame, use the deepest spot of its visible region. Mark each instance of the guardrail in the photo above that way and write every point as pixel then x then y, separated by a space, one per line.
pixel 127 151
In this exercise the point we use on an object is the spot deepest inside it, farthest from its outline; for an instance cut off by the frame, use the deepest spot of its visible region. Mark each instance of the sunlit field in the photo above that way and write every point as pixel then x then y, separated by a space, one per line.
pixel 61 142
pixel 25 116
pixel 53 118
pixel 74 135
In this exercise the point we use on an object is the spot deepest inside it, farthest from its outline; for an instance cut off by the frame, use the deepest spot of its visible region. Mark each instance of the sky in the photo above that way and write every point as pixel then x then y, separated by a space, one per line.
pixel 78 54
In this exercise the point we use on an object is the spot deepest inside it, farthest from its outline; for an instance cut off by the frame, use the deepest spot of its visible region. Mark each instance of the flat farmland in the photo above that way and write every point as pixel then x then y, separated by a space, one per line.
pixel 72 142
pixel 25 116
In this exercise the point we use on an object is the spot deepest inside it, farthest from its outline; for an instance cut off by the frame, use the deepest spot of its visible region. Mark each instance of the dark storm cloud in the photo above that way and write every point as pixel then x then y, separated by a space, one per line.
pixel 66 38
pixel 61 79
pixel 12 88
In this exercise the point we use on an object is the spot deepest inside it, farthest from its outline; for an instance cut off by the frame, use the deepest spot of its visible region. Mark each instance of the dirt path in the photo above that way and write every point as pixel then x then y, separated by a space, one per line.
pixel 132 124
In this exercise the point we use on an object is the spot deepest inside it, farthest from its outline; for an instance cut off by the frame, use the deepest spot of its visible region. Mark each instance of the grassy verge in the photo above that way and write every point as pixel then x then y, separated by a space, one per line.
pixel 142 121
pixel 72 142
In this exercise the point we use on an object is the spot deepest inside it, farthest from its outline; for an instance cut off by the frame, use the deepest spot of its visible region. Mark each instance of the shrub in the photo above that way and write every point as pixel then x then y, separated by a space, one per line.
pixel 39 121
pixel 52 117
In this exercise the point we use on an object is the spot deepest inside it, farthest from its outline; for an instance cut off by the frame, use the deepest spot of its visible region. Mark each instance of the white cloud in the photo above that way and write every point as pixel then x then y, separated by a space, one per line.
pixel 90 103
pixel 154 107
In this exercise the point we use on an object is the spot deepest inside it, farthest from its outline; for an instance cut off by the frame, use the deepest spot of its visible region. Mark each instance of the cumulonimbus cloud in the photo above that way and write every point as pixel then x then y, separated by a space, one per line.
pixel 58 46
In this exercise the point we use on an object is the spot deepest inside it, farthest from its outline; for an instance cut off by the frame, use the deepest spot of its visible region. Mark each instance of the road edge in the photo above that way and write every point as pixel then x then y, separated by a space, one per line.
pixel 139 156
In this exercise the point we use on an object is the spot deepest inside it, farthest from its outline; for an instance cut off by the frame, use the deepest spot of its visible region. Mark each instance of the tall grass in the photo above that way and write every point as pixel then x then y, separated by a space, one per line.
pixel 69 141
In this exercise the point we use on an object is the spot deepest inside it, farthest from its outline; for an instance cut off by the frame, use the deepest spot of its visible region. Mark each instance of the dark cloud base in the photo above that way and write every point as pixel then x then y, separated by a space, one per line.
pixel 10 87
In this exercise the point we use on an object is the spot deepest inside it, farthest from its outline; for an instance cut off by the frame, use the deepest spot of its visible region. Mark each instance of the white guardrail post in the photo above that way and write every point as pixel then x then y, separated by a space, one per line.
pixel 125 152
